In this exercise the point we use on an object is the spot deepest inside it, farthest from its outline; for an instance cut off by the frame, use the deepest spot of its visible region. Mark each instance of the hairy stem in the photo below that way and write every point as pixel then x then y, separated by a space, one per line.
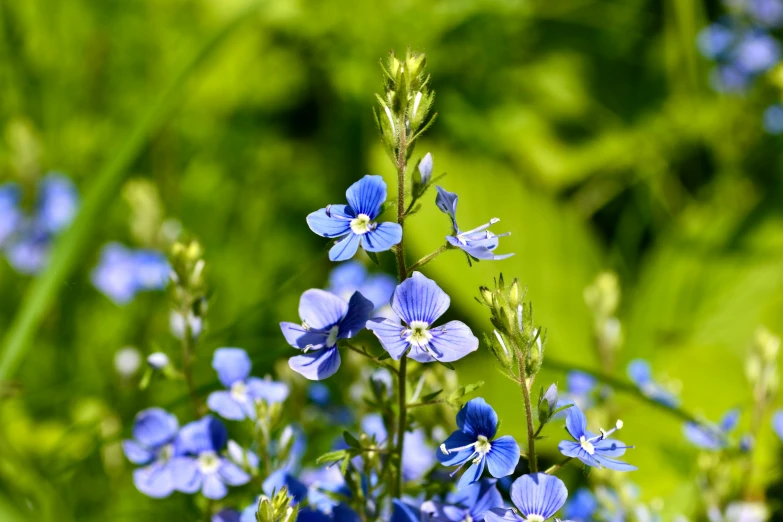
pixel 555 467
pixel 531 431
pixel 429 257
pixel 402 272
pixel 187 363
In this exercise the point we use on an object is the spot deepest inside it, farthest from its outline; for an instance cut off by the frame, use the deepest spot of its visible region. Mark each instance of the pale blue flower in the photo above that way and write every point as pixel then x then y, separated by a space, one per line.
pixel 538 497
pixel 594 450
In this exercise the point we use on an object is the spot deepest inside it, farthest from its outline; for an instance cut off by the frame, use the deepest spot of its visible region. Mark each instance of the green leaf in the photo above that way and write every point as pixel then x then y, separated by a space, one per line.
pixel 431 396
pixel 351 440
pixel 332 456
pixel 385 355
pixel 447 365
pixel 373 257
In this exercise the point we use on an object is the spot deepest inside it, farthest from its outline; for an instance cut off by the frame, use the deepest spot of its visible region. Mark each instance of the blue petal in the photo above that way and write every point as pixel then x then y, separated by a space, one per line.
pixel 137 453
pixel 280 478
pixel 379 288
pixel 249 513
pixel 576 422
pixel 447 203
pixel 452 341
pixel 419 299
pixel 538 494
pixel 317 365
pixel 232 474
pixel 404 512
pixel 478 498
pixel 372 424
pixel 345 248
pixel 213 488
pixel 115 276
pixel 639 372
pixel 321 310
pixel 472 474
pixel 581 506
pixel 185 474
pixel 346 278
pixel 777 423
pixel 417 456
pixel 367 195
pixel 610 448
pixel 730 420
pixel 58 202
pixel 224 404
pixel 385 236
pixel 437 512
pixel 580 383
pixel 481 249
pixel 227 515
pixel 613 464
pixel 232 365
pixel 359 310
pixel 390 336
pixel 154 427
pixel 151 269
pixel 503 456
pixel 502 515
pixel 154 481
pixel 206 434
pixel 333 221
pixel 309 515
pixel 269 391
pixel 704 436
pixel 425 168
pixel 478 418
pixel 298 337
pixel 457 439
pixel 569 448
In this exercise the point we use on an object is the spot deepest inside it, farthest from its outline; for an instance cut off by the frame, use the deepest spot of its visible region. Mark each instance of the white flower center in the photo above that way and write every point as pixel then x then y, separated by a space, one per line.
pixel 535 518
pixel 331 339
pixel 586 445
pixel 208 462
pixel 418 334
pixel 482 445
pixel 360 224
pixel 239 391
pixel 166 452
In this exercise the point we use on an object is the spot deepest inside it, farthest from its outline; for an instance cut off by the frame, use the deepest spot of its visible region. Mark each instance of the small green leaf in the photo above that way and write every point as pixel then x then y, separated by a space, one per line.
pixel 385 355
pixel 351 440
pixel 431 396
pixel 447 365
pixel 373 257
pixel 332 456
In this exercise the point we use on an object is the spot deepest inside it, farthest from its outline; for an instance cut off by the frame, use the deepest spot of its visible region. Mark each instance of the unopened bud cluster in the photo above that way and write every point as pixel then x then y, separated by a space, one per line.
pixel 188 289
pixel 279 508
pixel 405 103
pixel 603 299
pixel 515 340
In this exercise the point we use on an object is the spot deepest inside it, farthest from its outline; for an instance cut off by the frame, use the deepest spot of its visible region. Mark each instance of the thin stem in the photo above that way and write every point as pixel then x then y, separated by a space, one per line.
pixel 554 467
pixel 365 353
pixel 531 432
pixel 426 403
pixel 187 361
pixel 402 272
pixel 429 257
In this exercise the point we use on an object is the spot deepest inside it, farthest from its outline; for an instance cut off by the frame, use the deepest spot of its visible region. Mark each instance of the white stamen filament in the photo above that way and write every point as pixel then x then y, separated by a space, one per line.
pixel 479 229
pixel 391 120
pixel 502 344
pixel 416 104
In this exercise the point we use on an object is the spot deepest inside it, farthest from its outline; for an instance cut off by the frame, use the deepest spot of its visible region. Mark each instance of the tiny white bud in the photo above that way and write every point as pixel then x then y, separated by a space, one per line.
pixel 619 424
pixel 127 361
pixel 158 360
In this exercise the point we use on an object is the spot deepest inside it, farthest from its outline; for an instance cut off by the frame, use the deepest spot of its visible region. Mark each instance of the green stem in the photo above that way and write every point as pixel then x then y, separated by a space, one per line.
pixel 429 257
pixel 402 272
pixel 623 386
pixel 426 403
pixel 531 433
pixel 370 356
pixel 187 365
pixel 553 468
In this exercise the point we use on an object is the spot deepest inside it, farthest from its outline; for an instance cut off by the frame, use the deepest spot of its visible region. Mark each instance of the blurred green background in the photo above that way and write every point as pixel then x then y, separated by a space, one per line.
pixel 586 126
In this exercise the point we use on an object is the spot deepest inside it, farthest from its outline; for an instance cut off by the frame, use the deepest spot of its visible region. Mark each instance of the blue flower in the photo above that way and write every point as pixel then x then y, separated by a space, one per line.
pixel 352 276
pixel 355 222
pixel 470 504
pixel 537 497
pixel 283 478
pixel 325 319
pixel 715 40
pixel 640 373
pixel 756 52
pixel 152 446
pixel 228 515
pixel 593 450
pixel 10 214
pixel 58 202
pixel 239 401
pixel 122 273
pixel 581 506
pixel 417 455
pixel 773 119
pixel 777 423
pixel 709 436
pixel 768 13
pixel 419 302
pixel 201 466
pixel 404 512
pixel 478 243
pixel 473 442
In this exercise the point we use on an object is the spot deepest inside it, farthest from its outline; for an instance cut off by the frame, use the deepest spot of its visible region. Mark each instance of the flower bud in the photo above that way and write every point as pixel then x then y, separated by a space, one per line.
pixel 535 354
pixel 500 349
pixel 158 360
pixel 547 404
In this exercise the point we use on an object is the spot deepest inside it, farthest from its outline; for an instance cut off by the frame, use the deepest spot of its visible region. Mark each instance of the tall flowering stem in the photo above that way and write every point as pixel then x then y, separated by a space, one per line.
pixel 526 383
pixel 402 117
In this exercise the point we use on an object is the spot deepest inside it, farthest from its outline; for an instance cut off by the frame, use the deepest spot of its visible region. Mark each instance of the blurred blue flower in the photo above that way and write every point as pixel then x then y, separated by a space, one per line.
pixel 768 13
pixel 478 243
pixel 201 466
pixel 581 506
pixel 709 436
pixel 244 458
pixel 152 446
pixel 756 52
pixel 229 515
pixel 283 478
pixel 419 302
pixel 27 239
pixel 122 273
pixel 777 423
pixel 319 393
pixel 352 276
pixel 418 456
pixel 405 512
pixel 537 497
pixel 243 392
pixel 716 39
pixel 640 373
pixel 321 484
pixel 325 319
pixel 425 169
pixel 594 450
pixel 473 442
pixel 470 503
pixel 773 119
pixel 355 222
